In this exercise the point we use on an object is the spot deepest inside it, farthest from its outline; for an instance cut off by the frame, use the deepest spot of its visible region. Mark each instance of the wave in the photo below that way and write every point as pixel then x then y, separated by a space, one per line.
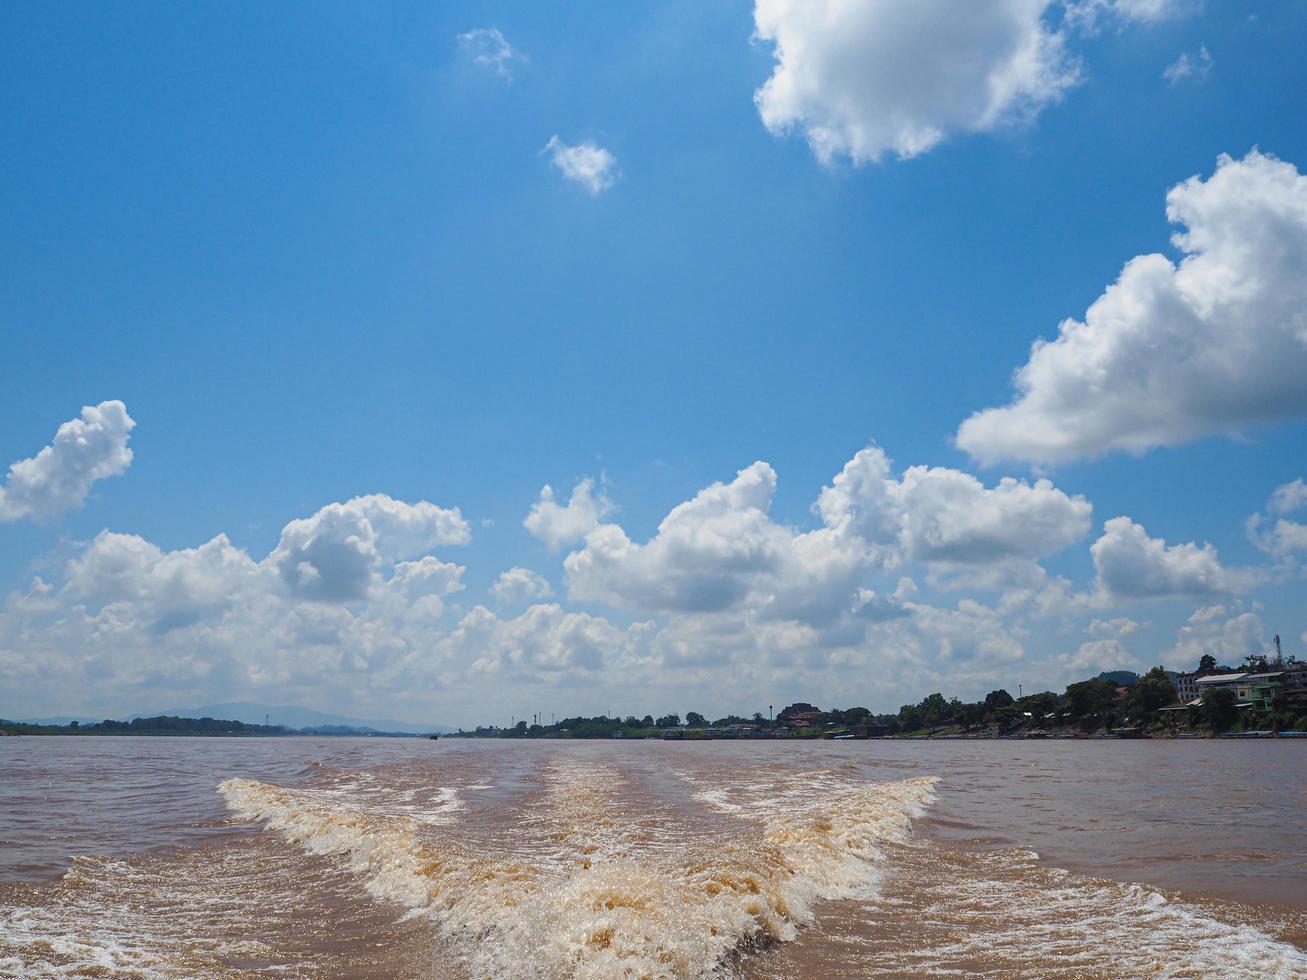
pixel 1004 913
pixel 596 885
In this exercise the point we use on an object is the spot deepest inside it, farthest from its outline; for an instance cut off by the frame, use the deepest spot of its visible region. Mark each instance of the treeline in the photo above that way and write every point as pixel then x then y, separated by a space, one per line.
pixel 1098 703
pixel 1111 701
pixel 159 725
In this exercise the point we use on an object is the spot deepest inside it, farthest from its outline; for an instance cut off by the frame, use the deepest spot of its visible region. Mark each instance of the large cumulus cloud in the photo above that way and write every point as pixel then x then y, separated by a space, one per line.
pixel 1132 565
pixel 722 551
pixel 1171 352
pixel 334 555
pixel 58 478
pixel 861 78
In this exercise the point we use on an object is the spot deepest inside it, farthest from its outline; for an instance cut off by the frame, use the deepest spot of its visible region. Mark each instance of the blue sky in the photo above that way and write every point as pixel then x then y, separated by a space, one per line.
pixel 322 251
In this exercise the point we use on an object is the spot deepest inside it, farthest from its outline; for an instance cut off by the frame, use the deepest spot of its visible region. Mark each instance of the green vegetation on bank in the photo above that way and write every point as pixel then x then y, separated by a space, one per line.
pixel 160 725
pixel 1116 702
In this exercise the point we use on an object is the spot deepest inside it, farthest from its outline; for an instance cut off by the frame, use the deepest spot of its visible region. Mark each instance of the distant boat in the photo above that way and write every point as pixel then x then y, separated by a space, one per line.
pixel 433 737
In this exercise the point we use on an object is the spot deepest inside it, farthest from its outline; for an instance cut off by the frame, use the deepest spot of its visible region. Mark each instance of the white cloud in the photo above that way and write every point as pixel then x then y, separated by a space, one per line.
pixel 487 47
pixel 972 631
pixel 1276 535
pixel 1280 538
pixel 58 478
pixel 351 612
pixel 1152 10
pixel 704 557
pixel 861 78
pixel 333 555
pixel 1172 353
pixel 721 551
pixel 557 525
pixel 1288 497
pixel 1190 66
pixel 587 164
pixel 1095 656
pixel 545 643
pixel 165 589
pixel 936 514
pixel 1113 629
pixel 428 576
pixel 520 585
pixel 1089 13
pixel 1212 629
pixel 1131 565
pixel 134 625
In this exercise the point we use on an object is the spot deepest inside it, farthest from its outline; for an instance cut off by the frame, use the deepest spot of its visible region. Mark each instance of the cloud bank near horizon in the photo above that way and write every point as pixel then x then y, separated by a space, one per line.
pixel 907 580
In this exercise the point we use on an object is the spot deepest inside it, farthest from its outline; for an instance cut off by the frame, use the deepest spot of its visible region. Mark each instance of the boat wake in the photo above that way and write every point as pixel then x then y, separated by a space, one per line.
pixel 594 885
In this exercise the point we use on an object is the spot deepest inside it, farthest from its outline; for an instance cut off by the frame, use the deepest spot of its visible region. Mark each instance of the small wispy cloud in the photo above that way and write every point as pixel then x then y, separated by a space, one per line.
pixel 1192 66
pixel 487 47
pixel 1090 15
pixel 587 164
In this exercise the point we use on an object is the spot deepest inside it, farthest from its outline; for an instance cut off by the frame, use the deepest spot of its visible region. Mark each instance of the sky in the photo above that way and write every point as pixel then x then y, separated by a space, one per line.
pixel 457 362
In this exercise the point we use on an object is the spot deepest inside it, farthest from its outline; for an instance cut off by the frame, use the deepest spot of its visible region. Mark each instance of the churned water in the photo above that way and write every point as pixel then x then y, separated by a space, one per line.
pixel 411 858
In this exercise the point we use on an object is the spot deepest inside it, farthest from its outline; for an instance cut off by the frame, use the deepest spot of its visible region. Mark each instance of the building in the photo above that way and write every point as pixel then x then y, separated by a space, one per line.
pixel 1294 685
pixel 1186 686
pixel 1258 690
pixel 1249 690
pixel 803 719
pixel 870 730
pixel 799 715
pixel 797 708
pixel 1212 681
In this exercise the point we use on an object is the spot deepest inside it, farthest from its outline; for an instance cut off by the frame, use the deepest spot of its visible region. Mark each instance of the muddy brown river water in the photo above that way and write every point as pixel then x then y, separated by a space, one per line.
pixel 460 858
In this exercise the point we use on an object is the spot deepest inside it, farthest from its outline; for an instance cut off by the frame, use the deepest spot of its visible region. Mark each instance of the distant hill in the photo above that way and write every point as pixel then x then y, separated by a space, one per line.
pixel 1121 678
pixel 296 717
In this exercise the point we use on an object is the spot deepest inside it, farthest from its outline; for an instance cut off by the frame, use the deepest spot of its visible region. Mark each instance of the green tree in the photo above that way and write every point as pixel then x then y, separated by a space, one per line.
pixel 934 709
pixel 1153 691
pixel 911 718
pixel 668 721
pixel 997 699
pixel 1219 709
pixel 695 720
pixel 1040 704
pixel 1085 699
pixel 1007 716
pixel 1206 664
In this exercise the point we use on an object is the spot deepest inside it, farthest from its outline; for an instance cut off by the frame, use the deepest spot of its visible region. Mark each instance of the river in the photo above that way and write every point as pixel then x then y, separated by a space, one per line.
pixel 344 857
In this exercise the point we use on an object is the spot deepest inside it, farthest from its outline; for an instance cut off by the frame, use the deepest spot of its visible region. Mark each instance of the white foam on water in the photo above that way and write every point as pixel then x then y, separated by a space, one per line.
pixel 114 919
pixel 1024 919
pixel 599 889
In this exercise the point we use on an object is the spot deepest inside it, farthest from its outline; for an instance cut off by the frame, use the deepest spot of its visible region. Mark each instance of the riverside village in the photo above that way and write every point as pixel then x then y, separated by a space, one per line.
pixel 1263 697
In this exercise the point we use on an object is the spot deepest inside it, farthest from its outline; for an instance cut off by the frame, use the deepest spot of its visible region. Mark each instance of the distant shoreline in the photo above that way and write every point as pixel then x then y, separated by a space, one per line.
pixel 171 726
